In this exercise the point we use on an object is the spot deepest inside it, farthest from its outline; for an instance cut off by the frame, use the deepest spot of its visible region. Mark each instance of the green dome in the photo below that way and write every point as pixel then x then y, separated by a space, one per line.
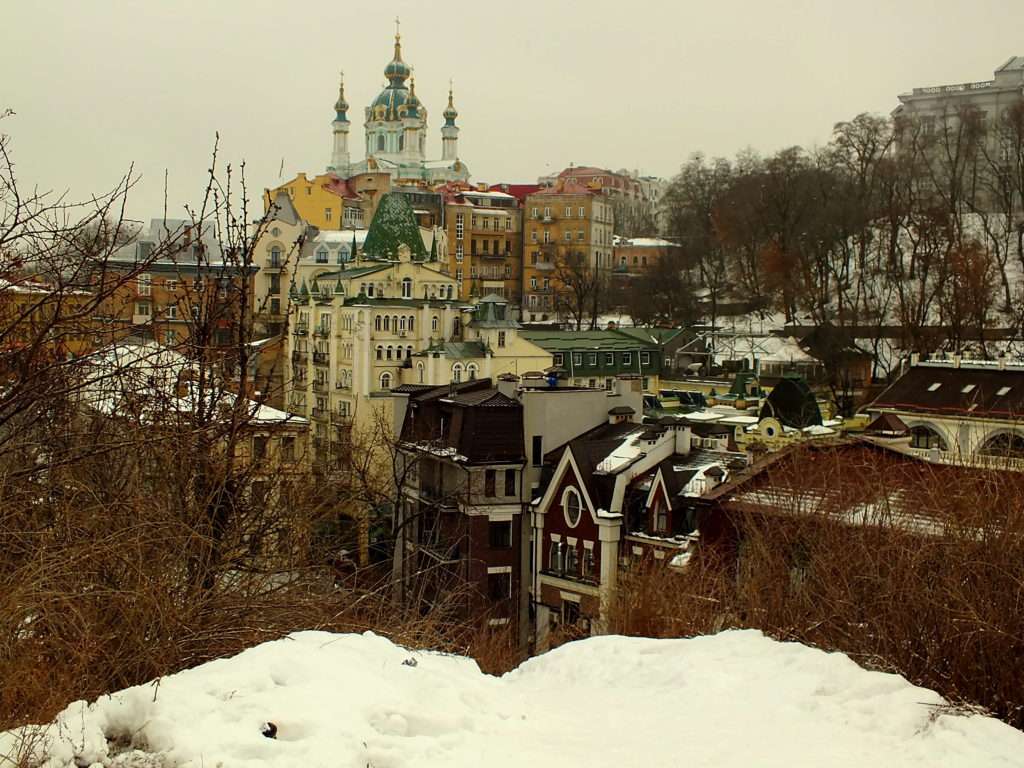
pixel 391 104
pixel 394 224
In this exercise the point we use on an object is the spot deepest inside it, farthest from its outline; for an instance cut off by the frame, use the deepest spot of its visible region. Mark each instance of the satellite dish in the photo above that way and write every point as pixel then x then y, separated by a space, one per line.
pixel 770 427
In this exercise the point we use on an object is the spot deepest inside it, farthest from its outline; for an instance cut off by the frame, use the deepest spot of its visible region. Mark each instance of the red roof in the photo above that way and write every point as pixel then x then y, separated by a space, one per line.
pixel 566 187
pixel 518 191
pixel 340 187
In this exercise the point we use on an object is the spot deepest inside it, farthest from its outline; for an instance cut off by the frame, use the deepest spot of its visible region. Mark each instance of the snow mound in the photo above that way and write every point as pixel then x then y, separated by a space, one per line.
pixel 737 699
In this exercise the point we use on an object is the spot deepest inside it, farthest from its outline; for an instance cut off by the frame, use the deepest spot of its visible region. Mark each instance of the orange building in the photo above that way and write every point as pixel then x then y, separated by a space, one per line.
pixel 562 224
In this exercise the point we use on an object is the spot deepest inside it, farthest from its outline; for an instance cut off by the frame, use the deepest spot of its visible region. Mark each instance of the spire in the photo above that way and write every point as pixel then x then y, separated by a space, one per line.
pixel 341 106
pixel 433 246
pixel 450 113
pixel 353 253
pixel 397 71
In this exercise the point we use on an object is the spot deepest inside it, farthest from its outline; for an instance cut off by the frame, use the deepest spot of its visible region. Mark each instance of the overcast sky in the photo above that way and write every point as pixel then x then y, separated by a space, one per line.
pixel 100 85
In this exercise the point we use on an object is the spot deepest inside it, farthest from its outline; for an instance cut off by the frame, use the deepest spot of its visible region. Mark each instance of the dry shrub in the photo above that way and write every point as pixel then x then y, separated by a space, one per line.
pixel 906 567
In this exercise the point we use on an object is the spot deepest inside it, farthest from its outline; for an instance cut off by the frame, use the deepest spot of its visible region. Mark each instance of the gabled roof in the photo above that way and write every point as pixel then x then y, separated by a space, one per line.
pixel 455 350
pixel 486 398
pixel 887 425
pixel 969 390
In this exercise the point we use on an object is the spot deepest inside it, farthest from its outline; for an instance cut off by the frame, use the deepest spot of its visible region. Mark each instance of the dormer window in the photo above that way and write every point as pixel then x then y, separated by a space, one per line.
pixel 934 386
pixel 967 389
pixel 1003 391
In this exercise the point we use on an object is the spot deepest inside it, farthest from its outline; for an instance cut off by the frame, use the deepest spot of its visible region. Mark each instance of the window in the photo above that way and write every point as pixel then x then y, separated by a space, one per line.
pixel 380 142
pixel 321 255
pixel 558 359
pixel 533 213
pixel 327 214
pixel 471 370
pixel 572 564
pixel 490 476
pixel 588 563
pixel 609 358
pixel 627 358
pixel 499 585
pixel 172 312
pixel 547 212
pixel 170 338
pixel 568 211
pixel 583 212
pixel 571 507
pixel 259 447
pixel 275 257
pixel 555 557
pixel 967 389
pixel 380 352
pixel 499 535
pixel 145 284
pixel 288 448
pixel 933 387
pixel 568 236
pixel 577 358
pixel 537 450
pixel 412 323
pixel 547 236
pixel 459 252
pixel 510 482
pixel 579 235
pixel 433 323
pixel 460 226
pixel 501 338
pixel 660 516
pixel 645 358
pixel 457 373
pixel 592 358
pixel 533 282
pixel 385 380
pixel 407 288
pixel 172 285
pixel 142 308
pixel 1003 391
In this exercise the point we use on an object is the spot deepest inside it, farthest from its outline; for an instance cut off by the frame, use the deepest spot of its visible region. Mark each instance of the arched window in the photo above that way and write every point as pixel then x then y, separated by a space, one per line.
pixel 923 436
pixel 401 323
pixel 1005 445
pixel 369 290
pixel 362 289
pixel 321 255
pixel 407 288
pixel 420 371
pixel 387 323
pixel 342 255
pixel 394 322
pixel 571 507
pixel 408 351
pixel 456 326
pixel 398 353
pixel 391 351
pixel 380 142
pixel 376 323
pixel 471 370
pixel 401 142
pixel 385 380
pixel 275 256
pixel 449 291
pixel 433 323
pixel 412 323
pixel 380 352
pixel 457 373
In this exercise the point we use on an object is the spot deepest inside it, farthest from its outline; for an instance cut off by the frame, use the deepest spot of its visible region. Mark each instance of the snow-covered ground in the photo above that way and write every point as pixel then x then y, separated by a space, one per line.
pixel 734 700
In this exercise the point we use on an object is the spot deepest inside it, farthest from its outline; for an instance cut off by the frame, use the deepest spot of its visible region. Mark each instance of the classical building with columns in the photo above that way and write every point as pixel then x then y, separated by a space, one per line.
pixel 396 133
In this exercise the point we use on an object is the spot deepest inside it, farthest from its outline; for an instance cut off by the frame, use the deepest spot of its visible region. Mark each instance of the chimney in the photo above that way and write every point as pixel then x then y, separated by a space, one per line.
pixel 915 358
pixel 508 383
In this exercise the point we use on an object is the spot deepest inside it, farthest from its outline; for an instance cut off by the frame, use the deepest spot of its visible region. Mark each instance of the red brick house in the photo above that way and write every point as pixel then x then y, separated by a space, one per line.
pixel 615 497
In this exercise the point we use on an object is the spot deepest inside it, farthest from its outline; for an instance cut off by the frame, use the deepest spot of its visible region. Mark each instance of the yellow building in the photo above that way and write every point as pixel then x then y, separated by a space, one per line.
pixel 562 224
pixel 329 202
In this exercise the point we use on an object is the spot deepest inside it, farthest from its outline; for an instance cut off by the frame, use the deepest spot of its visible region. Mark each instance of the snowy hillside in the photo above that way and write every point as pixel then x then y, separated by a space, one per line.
pixel 734 700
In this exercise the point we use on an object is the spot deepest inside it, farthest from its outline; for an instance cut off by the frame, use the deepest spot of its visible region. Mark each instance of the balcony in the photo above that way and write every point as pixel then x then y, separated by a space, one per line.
pixel 299 409
pixel 496 254
pixel 299 356
pixel 320 414
pixel 320 358
pixel 301 329
pixel 274 264
pixel 322 332
pixel 319 386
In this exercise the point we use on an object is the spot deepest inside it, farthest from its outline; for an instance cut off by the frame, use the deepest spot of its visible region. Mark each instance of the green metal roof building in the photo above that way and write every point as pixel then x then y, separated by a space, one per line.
pixel 594 358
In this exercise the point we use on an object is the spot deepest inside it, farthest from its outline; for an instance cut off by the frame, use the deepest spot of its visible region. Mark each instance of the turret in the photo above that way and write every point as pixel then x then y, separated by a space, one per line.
pixel 450 131
pixel 339 152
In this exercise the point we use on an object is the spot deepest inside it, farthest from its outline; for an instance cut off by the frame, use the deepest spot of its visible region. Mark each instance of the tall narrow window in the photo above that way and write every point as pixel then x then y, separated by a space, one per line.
pixel 490 476
pixel 510 482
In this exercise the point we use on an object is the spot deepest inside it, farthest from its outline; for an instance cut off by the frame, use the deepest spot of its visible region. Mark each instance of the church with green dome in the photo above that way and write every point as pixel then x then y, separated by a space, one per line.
pixel 396 132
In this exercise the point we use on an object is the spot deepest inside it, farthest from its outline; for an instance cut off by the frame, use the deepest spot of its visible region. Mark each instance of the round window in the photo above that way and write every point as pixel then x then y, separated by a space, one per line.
pixel 571 505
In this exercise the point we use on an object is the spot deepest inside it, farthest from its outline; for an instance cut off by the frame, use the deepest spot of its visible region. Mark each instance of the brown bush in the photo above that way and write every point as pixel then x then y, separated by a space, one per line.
pixel 923 576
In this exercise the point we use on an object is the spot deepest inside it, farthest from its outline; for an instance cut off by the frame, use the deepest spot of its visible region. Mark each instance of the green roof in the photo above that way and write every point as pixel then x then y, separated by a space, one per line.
pixel 603 341
pixel 397 302
pixel 394 224
pixel 654 335
pixel 456 350
pixel 350 274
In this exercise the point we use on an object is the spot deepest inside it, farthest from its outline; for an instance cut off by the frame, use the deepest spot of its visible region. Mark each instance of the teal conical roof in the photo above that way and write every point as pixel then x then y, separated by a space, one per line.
pixel 394 224
pixel 433 247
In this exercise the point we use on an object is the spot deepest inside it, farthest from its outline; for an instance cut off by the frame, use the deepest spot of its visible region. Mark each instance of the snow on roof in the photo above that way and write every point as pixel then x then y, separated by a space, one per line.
pixel 644 242
pixel 475 193
pixel 361 700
